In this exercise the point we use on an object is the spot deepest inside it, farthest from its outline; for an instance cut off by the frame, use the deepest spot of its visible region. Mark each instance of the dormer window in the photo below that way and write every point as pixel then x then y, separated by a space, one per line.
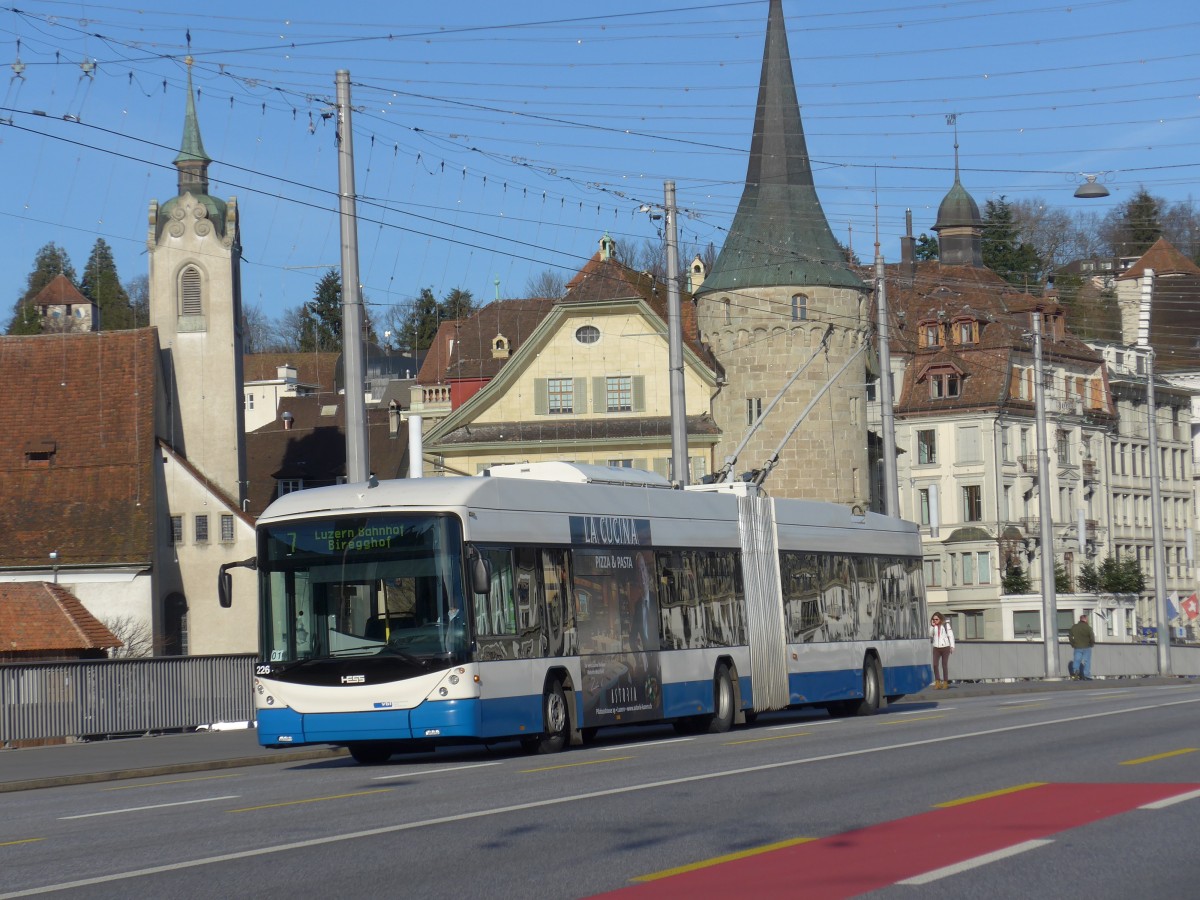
pixel 966 331
pixel 499 347
pixel 944 382
pixel 40 454
pixel 931 334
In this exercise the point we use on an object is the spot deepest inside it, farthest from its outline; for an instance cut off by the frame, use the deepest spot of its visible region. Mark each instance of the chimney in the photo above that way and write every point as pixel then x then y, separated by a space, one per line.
pixel 907 251
pixel 286 373
pixel 393 419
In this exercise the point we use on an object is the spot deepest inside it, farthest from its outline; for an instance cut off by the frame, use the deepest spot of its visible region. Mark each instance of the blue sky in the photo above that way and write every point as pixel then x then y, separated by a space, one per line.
pixel 494 141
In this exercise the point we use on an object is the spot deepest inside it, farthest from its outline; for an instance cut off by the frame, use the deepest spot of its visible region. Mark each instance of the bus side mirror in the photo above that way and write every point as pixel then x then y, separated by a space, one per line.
pixel 481 574
pixel 225 580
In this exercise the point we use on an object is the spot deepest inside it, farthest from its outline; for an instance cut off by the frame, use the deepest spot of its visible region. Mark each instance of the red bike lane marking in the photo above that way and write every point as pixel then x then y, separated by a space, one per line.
pixel 854 862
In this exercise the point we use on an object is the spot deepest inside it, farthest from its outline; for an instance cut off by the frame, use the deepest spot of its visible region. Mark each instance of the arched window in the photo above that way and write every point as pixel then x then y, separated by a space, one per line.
pixel 191 298
pixel 728 312
pixel 799 307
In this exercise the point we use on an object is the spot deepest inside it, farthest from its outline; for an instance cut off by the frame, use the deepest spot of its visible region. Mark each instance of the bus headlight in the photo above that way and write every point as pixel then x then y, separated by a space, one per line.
pixel 454 679
pixel 443 691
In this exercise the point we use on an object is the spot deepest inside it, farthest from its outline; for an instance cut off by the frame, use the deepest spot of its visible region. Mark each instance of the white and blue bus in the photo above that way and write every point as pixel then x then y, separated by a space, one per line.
pixel 540 602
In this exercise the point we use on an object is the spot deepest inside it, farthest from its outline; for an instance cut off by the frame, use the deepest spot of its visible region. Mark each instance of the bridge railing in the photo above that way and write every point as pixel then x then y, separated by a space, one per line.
pixel 127 696
pixel 137 696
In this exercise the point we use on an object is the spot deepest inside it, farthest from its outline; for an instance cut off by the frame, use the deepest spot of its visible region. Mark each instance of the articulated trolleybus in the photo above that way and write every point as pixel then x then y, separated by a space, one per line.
pixel 541 602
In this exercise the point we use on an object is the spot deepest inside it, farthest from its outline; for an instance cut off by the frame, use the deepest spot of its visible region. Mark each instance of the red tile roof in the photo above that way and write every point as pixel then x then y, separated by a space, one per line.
pixel 76 466
pixel 1164 259
pixel 311 368
pixel 60 292
pixel 39 616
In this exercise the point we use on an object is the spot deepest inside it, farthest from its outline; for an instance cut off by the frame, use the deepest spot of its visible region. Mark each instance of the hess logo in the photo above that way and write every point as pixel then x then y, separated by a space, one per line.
pixel 354 679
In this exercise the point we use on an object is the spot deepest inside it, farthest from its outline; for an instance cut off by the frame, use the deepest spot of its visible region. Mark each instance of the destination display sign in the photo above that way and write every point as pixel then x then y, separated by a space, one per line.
pixel 608 531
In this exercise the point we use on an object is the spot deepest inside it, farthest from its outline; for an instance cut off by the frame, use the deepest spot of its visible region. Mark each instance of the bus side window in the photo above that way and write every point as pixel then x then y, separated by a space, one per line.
pixel 558 623
pixel 496 611
pixel 529 604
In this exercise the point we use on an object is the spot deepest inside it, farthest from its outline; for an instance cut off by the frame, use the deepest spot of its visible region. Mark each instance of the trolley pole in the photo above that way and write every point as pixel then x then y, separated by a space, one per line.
pixel 352 310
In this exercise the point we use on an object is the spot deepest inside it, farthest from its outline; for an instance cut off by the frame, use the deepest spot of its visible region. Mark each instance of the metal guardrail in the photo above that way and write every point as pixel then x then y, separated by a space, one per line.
pixel 1014 660
pixel 127 696
pixel 138 696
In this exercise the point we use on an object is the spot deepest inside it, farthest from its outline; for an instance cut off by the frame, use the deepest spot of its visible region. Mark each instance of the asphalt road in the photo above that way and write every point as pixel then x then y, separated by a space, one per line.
pixel 1079 790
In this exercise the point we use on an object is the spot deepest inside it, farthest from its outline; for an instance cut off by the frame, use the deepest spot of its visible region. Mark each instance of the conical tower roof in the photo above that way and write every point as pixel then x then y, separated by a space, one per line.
pixel 779 235
pixel 192 148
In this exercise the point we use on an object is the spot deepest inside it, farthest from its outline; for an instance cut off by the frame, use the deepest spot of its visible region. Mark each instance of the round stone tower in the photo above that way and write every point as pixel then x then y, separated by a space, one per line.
pixel 782 296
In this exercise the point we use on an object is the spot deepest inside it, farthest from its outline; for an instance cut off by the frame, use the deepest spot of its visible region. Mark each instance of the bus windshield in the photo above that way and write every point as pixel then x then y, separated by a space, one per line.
pixel 379 585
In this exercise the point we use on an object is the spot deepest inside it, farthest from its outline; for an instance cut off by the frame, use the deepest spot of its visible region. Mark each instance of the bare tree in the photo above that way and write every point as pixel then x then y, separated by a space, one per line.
pixel 550 283
pixel 138 291
pixel 135 635
pixel 256 330
pixel 286 330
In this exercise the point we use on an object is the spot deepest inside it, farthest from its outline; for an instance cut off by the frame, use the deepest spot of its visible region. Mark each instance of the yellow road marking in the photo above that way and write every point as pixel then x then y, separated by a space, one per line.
pixel 1000 793
pixel 907 719
pixel 1158 756
pixel 717 860
pixel 132 787
pixel 777 737
pixel 24 841
pixel 312 800
pixel 590 762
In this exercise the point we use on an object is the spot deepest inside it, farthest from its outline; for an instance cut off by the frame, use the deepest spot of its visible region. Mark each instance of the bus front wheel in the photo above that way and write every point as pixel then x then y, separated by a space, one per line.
pixel 556 728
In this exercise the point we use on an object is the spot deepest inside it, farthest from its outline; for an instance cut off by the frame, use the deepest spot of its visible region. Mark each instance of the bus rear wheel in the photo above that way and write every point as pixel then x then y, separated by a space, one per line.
pixel 370 754
pixel 556 723
pixel 723 702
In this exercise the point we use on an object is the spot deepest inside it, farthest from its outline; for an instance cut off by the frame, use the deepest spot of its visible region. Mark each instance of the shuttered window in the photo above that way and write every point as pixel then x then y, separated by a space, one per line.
pixel 190 298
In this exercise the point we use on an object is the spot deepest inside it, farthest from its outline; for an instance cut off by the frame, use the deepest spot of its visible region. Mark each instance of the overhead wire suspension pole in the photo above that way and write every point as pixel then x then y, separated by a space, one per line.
pixel 1156 508
pixel 1049 596
pixel 352 310
pixel 679 447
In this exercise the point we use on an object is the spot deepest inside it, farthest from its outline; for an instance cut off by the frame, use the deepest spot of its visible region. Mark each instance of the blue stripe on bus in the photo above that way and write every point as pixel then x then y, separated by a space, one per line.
pixel 515 716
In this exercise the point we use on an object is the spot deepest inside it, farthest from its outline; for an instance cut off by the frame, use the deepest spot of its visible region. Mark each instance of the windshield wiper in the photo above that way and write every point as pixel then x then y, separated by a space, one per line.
pixel 355 649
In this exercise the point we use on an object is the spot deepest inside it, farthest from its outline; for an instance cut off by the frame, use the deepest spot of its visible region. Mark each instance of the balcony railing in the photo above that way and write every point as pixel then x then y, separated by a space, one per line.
pixel 1089 470
pixel 1028 463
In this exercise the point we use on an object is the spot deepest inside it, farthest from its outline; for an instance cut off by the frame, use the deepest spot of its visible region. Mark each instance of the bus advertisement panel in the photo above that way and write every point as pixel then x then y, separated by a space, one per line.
pixel 618 635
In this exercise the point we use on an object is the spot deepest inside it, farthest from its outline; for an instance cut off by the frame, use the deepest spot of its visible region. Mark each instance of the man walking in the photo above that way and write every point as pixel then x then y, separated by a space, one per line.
pixel 1082 638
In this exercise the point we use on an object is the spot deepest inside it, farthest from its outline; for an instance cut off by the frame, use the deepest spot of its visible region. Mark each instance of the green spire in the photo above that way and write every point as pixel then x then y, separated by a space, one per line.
pixel 779 235
pixel 192 149
pixel 192 162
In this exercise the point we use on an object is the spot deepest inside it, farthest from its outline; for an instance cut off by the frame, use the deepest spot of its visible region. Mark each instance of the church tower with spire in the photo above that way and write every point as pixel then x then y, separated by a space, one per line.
pixel 782 296
pixel 195 303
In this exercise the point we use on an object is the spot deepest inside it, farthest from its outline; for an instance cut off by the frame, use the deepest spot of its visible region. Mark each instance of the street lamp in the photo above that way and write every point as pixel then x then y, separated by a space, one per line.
pixel 1091 189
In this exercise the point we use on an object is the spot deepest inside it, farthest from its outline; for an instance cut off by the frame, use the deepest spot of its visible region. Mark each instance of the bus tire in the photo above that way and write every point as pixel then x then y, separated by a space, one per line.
pixel 872 689
pixel 724 702
pixel 370 754
pixel 556 721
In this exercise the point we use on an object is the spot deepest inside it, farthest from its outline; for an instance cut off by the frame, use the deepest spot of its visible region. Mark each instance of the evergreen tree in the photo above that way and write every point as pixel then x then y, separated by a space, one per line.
pixel 102 286
pixel 927 248
pixel 421 323
pixel 1003 252
pixel 427 312
pixel 50 261
pixel 1015 580
pixel 458 304
pixel 321 317
pixel 1133 227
